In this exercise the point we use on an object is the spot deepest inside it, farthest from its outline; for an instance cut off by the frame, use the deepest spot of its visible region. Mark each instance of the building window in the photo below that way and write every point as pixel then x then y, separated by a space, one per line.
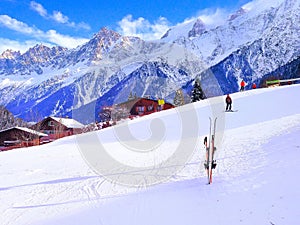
pixel 140 108
pixel 150 108
pixel 48 131
pixel 50 124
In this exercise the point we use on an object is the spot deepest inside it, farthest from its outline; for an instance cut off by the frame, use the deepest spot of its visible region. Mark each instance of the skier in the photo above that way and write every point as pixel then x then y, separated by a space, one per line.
pixel 254 86
pixel 228 101
pixel 242 85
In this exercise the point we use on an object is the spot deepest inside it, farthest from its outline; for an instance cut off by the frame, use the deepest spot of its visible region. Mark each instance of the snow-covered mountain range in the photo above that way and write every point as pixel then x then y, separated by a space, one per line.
pixel 257 41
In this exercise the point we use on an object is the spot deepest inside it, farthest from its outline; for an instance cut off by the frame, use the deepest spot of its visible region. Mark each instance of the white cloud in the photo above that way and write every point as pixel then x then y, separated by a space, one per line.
pixel 17 45
pixel 60 18
pixel 210 17
pixel 261 4
pixel 50 36
pixel 16 25
pixel 38 8
pixel 57 16
pixel 143 28
pixel 82 25
pixel 63 40
pixel 213 18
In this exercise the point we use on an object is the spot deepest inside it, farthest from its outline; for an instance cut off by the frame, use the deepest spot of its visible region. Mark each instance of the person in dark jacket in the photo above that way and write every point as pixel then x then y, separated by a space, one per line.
pixel 228 103
pixel 205 141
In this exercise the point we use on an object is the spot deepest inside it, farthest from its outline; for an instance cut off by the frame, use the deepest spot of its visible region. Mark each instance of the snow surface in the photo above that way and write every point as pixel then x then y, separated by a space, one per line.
pixel 255 181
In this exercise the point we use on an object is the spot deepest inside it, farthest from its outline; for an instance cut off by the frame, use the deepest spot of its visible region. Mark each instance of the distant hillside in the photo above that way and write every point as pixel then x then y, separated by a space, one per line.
pixel 7 119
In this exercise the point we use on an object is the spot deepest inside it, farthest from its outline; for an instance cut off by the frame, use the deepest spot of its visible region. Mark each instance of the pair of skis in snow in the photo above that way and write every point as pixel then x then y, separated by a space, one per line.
pixel 210 163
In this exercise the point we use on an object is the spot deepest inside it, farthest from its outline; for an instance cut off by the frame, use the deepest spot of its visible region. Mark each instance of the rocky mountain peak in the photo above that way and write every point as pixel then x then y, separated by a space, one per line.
pixel 7 119
pixel 105 33
pixel 10 54
pixel 100 44
pixel 41 53
pixel 37 50
pixel 198 28
pixel 238 13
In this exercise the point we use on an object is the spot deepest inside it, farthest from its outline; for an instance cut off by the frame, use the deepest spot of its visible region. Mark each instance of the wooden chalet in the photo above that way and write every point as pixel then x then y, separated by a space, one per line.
pixel 17 137
pixel 144 106
pixel 57 127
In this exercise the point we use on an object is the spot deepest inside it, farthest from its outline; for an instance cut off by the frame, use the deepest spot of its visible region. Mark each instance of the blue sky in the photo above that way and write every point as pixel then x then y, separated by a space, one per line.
pixel 69 23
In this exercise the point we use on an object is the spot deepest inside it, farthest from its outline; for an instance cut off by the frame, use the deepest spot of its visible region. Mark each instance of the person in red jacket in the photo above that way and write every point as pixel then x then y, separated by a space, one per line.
pixel 254 86
pixel 242 85
pixel 228 101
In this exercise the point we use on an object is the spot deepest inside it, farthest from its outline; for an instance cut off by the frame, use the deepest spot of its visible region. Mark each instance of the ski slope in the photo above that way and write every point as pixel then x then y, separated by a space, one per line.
pixel 255 182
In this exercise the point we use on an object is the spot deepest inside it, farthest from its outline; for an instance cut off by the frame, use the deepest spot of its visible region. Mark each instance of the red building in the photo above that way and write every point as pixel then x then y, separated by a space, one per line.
pixel 57 127
pixel 144 106
pixel 17 137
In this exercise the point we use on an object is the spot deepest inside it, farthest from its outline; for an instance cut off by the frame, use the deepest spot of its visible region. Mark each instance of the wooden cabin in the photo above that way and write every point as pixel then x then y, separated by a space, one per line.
pixel 145 106
pixel 17 137
pixel 57 127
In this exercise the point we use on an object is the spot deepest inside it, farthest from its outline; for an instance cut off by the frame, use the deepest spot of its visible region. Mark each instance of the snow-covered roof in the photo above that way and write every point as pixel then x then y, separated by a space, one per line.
pixel 69 123
pixel 27 130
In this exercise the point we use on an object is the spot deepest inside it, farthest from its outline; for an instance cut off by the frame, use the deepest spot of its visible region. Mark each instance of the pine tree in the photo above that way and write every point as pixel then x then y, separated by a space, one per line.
pixel 179 98
pixel 130 97
pixel 197 93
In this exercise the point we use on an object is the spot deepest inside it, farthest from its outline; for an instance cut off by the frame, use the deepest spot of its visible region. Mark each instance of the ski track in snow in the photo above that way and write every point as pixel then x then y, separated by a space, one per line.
pixel 52 184
pixel 250 193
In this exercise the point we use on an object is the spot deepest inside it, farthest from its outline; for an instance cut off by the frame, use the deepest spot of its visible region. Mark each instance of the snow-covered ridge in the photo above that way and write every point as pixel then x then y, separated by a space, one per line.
pixel 10 54
pixel 248 24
